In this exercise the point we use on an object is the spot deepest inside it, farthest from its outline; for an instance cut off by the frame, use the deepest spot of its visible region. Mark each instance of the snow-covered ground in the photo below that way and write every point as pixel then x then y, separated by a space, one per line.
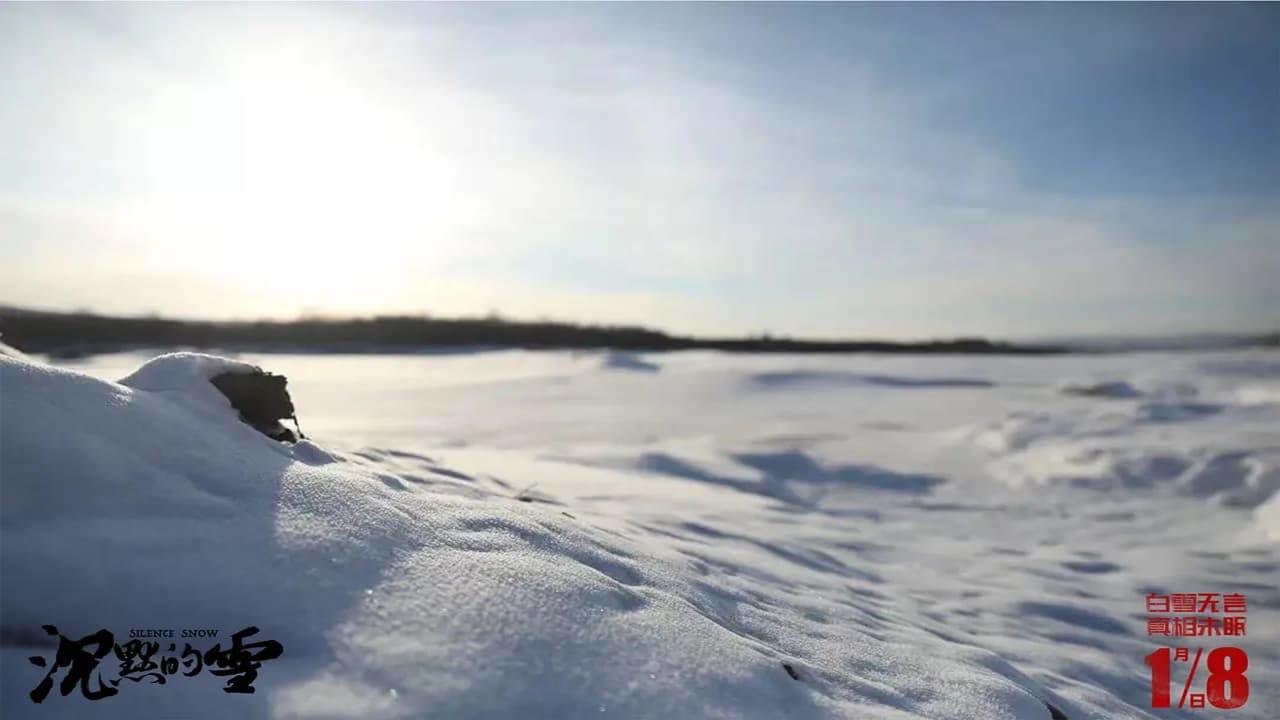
pixel 564 535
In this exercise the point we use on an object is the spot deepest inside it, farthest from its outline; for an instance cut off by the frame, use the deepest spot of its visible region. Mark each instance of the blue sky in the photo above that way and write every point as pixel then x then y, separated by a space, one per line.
pixel 897 170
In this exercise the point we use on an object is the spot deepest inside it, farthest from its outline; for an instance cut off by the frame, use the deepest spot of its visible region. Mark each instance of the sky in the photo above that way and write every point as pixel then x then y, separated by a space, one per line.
pixel 895 170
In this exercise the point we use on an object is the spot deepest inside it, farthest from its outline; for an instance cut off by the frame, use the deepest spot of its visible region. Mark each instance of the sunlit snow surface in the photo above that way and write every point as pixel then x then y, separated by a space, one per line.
pixel 559 535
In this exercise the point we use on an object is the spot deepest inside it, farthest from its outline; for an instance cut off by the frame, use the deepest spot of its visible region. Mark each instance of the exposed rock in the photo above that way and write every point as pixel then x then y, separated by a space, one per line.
pixel 262 400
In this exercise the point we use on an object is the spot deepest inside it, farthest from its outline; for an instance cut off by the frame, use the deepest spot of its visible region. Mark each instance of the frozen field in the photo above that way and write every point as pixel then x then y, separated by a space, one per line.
pixel 564 535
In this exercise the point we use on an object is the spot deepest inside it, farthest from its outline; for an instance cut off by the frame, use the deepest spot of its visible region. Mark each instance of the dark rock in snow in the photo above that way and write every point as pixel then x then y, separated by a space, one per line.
pixel 262 400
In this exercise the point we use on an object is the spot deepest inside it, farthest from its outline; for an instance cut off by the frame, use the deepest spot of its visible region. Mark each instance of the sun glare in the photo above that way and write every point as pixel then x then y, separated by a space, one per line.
pixel 289 162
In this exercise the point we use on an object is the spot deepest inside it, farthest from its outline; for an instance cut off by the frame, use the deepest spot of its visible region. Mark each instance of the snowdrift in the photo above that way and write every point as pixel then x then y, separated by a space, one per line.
pixel 147 504
pixel 543 535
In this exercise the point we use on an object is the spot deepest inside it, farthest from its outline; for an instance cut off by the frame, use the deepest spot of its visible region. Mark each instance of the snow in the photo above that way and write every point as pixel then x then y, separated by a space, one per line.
pixel 628 361
pixel 1269 518
pixel 560 535
pixel 12 352
pixel 185 372
pixel 1099 388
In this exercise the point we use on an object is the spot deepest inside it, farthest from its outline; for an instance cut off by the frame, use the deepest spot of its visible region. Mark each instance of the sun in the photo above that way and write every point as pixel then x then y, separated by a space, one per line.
pixel 289 163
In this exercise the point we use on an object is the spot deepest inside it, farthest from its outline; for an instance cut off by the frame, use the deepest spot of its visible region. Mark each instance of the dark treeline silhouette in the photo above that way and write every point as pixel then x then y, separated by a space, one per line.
pixel 83 333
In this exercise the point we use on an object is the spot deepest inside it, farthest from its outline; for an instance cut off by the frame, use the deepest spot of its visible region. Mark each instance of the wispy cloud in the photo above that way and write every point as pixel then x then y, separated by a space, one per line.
pixel 631 165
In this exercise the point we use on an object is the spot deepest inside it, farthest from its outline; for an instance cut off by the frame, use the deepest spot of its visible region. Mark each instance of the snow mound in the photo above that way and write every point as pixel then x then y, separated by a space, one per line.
pixel 1099 388
pixel 1194 436
pixel 1268 518
pixel 1259 394
pixel 628 361
pixel 838 379
pixel 402 588
pixel 183 371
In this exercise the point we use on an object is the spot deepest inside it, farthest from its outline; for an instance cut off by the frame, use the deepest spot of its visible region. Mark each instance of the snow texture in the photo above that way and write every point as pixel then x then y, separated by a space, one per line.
pixel 537 535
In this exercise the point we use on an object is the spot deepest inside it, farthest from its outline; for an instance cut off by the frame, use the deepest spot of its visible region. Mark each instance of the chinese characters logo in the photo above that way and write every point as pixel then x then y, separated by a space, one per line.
pixel 84 663
pixel 1199 615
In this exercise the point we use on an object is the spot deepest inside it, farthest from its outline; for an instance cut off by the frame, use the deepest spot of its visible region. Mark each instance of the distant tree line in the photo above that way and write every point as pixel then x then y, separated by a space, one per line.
pixel 87 333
